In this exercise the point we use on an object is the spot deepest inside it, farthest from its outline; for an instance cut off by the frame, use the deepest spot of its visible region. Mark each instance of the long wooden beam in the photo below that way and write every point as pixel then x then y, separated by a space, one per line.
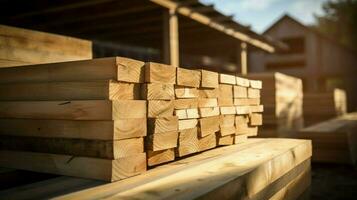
pixel 199 17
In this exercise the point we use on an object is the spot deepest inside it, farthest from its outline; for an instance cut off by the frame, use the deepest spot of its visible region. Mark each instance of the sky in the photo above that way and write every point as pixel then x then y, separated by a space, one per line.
pixel 260 14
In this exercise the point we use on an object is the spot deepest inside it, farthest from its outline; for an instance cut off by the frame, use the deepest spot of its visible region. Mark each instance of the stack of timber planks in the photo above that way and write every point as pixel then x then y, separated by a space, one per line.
pixel 334 140
pixel 80 118
pixel 120 115
pixel 162 124
pixel 321 106
pixel 282 97
pixel 20 46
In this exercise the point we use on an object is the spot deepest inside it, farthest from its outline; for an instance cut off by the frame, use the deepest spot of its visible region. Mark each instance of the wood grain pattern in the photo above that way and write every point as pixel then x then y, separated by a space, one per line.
pixel 227 110
pixel 116 68
pixel 75 129
pixel 185 103
pixel 76 147
pixel 94 90
pixel 187 77
pixel 207 102
pixel 242 82
pixel 74 110
pixel 84 167
pixel 208 92
pixel 240 92
pixel 256 84
pixel 160 73
pixel 209 112
pixel 187 124
pixel 188 142
pixel 256 119
pixel 160 108
pixel 253 93
pixel 161 141
pixel 160 157
pixel 158 91
pixel 225 140
pixel 186 92
pixel 207 142
pixel 162 124
pixel 208 125
pixel 227 79
pixel 209 79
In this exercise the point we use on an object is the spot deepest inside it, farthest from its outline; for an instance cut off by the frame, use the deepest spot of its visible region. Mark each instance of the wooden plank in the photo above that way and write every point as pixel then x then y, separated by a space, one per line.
pixel 160 73
pixel 209 102
pixel 225 101
pixel 185 103
pixel 259 108
pixel 160 108
pixel 242 81
pixel 161 141
pixel 239 139
pixel 191 113
pixel 227 79
pixel 225 91
pixel 160 157
pixel 187 124
pixel 207 142
pixel 185 92
pixel 240 92
pixel 225 140
pixel 88 148
pixel 74 110
pixel 158 91
pixel 208 125
pixel 209 112
pixel 241 110
pixel 109 130
pixel 227 110
pixel 246 102
pixel 256 84
pixel 117 68
pixel 94 90
pixel 189 78
pixel 209 79
pixel 256 119
pixel 85 167
pixel 251 160
pixel 162 124
pixel 208 92
pixel 187 142
pixel 253 93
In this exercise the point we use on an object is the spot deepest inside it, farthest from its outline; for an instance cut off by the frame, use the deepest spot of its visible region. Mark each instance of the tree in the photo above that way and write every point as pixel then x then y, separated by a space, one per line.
pixel 339 21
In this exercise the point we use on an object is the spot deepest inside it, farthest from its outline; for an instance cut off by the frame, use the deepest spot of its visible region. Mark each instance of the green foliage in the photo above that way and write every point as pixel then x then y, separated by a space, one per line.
pixel 340 21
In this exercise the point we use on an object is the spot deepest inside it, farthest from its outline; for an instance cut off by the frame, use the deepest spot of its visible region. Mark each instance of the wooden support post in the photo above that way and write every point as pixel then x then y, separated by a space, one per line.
pixel 171 38
pixel 244 59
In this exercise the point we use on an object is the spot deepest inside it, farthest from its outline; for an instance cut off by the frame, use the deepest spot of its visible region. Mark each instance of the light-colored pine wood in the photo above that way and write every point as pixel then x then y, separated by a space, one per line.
pixel 107 149
pixel 209 79
pixel 240 92
pixel 227 79
pixel 227 110
pixel 238 139
pixel 160 157
pixel 225 101
pixel 209 102
pixel 241 119
pixel 226 124
pixel 225 140
pixel 160 108
pixel 161 141
pixel 74 110
pixel 246 102
pixel 208 92
pixel 191 113
pixel 75 129
pixel 158 91
pixel 207 142
pixel 209 112
pixel 162 124
pixel 182 92
pixel 225 91
pixel 160 73
pixel 258 108
pixel 84 167
pixel 256 119
pixel 208 125
pixel 185 103
pixel 188 142
pixel 241 110
pixel 116 68
pixel 187 77
pixel 255 167
pixel 253 93
pixel 187 124
pixel 94 90
pixel 20 46
pixel 229 130
pixel 256 84
pixel 181 114
pixel 242 81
